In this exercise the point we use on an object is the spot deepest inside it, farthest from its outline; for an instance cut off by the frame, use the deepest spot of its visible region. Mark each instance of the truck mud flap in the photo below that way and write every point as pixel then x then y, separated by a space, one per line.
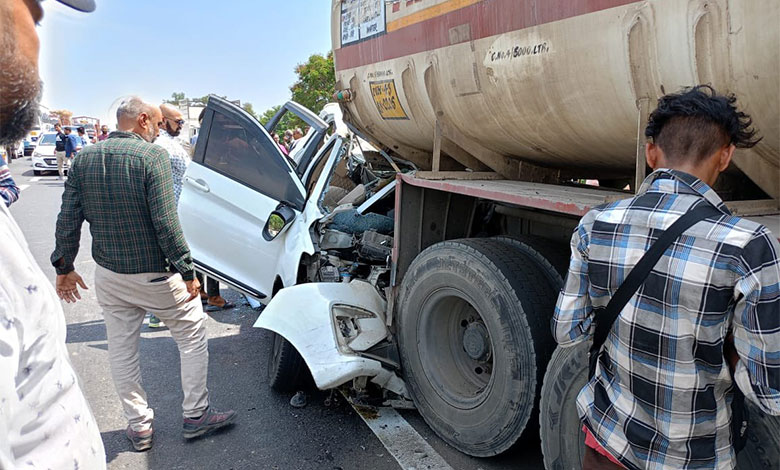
pixel 329 324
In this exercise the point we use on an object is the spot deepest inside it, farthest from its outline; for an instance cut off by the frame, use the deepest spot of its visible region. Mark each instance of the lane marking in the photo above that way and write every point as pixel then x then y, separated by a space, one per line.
pixel 35 179
pixel 22 187
pixel 406 445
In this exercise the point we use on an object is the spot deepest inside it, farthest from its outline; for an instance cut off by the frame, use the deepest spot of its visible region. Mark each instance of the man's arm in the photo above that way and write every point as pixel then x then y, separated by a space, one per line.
pixel 162 207
pixel 69 221
pixel 756 323
pixel 9 191
pixel 573 318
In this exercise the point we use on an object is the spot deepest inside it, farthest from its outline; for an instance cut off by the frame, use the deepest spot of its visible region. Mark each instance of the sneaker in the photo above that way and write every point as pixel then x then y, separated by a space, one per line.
pixel 142 440
pixel 154 322
pixel 209 421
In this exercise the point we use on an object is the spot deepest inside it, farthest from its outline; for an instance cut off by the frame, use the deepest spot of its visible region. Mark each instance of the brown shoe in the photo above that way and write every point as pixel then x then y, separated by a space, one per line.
pixel 142 440
pixel 210 420
pixel 217 303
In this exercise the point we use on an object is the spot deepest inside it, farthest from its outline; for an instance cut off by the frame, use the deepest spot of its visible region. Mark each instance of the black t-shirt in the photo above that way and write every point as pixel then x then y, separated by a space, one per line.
pixel 59 144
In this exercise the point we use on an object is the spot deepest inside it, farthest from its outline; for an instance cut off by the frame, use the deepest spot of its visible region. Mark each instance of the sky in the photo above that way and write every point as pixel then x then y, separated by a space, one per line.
pixel 242 49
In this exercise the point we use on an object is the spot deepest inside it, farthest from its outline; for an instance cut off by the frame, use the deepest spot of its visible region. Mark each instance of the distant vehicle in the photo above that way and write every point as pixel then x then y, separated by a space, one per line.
pixel 31 140
pixel 43 158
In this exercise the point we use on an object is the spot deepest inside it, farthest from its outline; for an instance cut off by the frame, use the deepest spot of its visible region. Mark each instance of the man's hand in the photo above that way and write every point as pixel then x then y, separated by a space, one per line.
pixel 193 287
pixel 67 286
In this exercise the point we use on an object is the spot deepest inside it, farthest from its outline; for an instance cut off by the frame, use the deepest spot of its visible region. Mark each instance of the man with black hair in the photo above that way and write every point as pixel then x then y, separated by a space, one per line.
pixel 705 320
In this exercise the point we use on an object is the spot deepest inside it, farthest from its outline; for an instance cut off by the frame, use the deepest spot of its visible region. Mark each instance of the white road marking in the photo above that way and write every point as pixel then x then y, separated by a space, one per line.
pixel 22 187
pixel 35 179
pixel 405 444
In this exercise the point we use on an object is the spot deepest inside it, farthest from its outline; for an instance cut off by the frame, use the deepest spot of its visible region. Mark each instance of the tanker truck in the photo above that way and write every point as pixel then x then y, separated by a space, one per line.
pixel 505 121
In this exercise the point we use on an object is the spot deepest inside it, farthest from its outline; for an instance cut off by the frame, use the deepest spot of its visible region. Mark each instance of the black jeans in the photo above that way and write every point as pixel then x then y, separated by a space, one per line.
pixel 212 285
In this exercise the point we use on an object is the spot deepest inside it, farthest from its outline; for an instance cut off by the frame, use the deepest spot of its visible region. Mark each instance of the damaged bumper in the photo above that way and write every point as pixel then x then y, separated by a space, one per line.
pixel 330 324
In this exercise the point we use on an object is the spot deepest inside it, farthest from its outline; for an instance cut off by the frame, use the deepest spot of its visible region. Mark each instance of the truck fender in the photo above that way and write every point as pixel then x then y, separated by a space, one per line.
pixel 329 323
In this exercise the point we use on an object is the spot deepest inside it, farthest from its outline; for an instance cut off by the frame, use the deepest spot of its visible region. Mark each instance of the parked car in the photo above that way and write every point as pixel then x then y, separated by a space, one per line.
pixel 43 158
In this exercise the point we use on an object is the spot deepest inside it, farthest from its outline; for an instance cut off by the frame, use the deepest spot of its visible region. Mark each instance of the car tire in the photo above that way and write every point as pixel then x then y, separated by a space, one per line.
pixel 561 431
pixel 286 367
pixel 474 339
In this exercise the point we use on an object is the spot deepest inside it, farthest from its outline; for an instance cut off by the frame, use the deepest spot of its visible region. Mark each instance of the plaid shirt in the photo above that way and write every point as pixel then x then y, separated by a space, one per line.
pixel 661 394
pixel 9 191
pixel 123 188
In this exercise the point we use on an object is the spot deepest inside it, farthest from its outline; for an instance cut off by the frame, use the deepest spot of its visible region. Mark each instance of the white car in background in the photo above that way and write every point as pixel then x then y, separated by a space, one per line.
pixel 43 157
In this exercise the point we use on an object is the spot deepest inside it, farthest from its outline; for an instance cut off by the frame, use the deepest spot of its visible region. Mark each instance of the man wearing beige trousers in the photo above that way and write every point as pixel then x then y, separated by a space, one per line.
pixel 124 189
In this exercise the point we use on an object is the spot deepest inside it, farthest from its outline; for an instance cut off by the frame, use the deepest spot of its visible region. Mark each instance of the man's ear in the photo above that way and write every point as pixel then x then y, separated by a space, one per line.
pixel 725 156
pixel 143 120
pixel 652 153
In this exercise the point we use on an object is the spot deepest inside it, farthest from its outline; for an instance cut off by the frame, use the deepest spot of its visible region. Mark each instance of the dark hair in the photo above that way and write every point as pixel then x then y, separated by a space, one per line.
pixel 696 122
pixel 80 130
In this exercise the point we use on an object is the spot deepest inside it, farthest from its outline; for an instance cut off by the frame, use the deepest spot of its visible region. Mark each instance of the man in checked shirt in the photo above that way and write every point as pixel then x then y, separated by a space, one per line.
pixel 661 393
pixel 124 189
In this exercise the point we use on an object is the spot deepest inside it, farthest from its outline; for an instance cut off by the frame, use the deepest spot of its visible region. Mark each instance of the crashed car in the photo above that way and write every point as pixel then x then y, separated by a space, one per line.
pixel 323 222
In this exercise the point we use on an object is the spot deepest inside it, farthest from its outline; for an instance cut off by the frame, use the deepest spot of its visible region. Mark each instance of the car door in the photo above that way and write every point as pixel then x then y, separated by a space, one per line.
pixel 238 176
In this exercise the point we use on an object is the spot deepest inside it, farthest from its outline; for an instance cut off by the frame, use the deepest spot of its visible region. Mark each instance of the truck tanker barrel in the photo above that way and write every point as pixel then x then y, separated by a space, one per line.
pixel 560 85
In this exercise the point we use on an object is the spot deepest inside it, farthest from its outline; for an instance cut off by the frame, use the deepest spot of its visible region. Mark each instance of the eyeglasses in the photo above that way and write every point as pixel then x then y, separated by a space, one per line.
pixel 177 121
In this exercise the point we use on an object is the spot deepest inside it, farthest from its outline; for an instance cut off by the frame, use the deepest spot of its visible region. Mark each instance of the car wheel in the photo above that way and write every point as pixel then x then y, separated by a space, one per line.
pixel 286 368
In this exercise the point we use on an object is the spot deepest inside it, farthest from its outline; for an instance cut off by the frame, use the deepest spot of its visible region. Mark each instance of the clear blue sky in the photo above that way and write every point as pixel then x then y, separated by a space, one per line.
pixel 245 49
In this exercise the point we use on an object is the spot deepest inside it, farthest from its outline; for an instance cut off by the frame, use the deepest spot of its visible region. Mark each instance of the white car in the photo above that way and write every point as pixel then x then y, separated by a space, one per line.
pixel 43 157
pixel 260 222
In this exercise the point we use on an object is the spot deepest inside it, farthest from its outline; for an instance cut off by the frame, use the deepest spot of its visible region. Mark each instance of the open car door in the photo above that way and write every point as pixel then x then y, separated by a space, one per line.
pixel 237 178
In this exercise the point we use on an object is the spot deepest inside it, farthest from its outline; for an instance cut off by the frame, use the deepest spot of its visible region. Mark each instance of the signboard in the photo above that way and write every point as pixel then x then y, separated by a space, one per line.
pixel 361 19
pixel 386 100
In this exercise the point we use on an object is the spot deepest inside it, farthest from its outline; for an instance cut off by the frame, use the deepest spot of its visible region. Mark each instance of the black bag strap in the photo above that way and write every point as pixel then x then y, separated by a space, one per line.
pixel 606 317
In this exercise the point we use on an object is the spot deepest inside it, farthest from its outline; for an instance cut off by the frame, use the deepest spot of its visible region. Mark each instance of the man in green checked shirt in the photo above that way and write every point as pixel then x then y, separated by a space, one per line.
pixel 124 189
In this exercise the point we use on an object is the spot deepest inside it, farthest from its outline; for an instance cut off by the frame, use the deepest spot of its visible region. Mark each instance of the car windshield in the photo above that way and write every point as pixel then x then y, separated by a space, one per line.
pixel 48 139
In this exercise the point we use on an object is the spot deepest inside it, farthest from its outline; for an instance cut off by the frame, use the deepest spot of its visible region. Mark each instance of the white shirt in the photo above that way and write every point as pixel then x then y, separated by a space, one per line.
pixel 45 421
pixel 180 159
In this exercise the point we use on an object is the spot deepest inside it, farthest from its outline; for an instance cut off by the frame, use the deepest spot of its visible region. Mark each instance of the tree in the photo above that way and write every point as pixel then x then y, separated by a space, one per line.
pixel 62 115
pixel 176 98
pixel 288 121
pixel 250 109
pixel 316 82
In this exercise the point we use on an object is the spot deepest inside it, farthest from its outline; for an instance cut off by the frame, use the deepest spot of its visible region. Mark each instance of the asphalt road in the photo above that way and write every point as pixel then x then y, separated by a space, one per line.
pixel 269 434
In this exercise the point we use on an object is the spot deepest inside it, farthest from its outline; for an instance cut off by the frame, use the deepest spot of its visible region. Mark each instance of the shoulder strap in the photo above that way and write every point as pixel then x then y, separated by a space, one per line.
pixel 607 316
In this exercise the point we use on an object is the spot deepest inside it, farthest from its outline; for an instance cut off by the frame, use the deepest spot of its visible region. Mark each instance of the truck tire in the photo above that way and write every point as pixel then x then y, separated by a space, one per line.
pixel 553 260
pixel 474 339
pixel 560 427
pixel 563 442
pixel 286 367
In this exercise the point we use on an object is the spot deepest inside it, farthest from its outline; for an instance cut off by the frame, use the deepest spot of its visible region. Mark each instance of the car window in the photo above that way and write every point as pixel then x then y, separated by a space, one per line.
pixel 251 158
pixel 48 139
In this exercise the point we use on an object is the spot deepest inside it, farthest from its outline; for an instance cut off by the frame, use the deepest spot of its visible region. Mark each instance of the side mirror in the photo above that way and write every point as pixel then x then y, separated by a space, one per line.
pixel 278 221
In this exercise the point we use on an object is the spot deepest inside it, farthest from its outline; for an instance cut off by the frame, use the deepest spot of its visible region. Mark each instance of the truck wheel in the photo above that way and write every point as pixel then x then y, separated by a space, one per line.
pixel 560 427
pixel 552 259
pixel 473 334
pixel 563 442
pixel 762 450
pixel 285 365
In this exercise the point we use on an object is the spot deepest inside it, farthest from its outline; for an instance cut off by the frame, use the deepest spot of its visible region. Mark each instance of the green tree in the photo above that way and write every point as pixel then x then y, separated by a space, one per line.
pixel 316 82
pixel 177 97
pixel 288 121
pixel 250 109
